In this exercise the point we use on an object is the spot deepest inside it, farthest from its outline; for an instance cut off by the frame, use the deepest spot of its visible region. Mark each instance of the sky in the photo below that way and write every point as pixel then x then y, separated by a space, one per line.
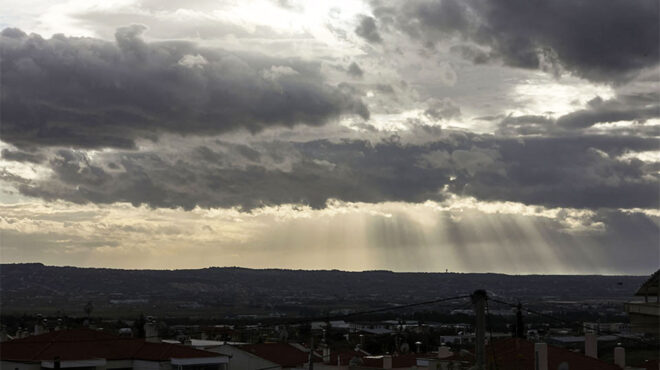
pixel 508 136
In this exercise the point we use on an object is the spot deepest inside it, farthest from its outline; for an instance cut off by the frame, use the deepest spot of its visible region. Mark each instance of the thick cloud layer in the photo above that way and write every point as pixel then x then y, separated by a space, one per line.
pixel 579 172
pixel 84 92
pixel 636 108
pixel 601 41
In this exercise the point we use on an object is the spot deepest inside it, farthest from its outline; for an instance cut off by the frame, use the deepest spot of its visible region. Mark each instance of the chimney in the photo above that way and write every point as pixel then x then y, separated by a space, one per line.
pixel 620 357
pixel 151 332
pixel 387 362
pixel 591 345
pixel 3 334
pixel 540 356
pixel 444 352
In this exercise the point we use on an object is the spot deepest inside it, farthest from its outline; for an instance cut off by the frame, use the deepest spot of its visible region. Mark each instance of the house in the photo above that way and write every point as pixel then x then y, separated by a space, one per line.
pixel 360 360
pixel 88 349
pixel 518 353
pixel 645 316
pixel 296 356
pixel 578 342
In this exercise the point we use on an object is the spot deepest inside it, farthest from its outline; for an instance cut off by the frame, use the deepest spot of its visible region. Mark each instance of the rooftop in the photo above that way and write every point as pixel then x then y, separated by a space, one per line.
pixel 84 344
pixel 282 354
pixel 650 287
pixel 516 353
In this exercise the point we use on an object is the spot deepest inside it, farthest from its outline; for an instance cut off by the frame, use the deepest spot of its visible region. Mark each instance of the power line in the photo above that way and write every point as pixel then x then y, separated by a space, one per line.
pixel 576 323
pixel 378 310
pixel 300 321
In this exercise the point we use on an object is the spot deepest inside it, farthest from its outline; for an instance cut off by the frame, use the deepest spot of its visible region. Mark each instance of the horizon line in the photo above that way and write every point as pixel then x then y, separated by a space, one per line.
pixel 327 270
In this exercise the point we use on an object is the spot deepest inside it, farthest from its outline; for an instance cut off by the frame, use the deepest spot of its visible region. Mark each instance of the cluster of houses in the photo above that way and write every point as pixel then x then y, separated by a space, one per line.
pixel 89 349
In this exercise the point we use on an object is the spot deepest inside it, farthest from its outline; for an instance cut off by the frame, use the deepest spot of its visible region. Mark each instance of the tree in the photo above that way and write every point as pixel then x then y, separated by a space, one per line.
pixel 89 307
pixel 138 326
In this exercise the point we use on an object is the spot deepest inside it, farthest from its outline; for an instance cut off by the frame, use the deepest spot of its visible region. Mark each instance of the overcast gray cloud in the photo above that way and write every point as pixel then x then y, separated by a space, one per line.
pixel 600 41
pixel 442 109
pixel 355 70
pixel 90 93
pixel 20 156
pixel 634 108
pixel 256 104
pixel 368 30
pixel 581 172
pixel 577 172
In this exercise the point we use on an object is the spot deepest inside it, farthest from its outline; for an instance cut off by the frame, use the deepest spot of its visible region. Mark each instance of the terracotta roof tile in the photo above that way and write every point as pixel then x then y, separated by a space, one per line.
pixel 515 353
pixel 282 354
pixel 81 344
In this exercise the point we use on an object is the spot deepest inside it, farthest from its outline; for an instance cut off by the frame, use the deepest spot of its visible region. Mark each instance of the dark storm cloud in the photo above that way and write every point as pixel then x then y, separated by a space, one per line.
pixel 19 156
pixel 637 108
pixel 367 29
pixel 633 230
pixel 581 172
pixel 600 41
pixel 209 178
pixel 524 125
pixel 627 108
pixel 355 70
pixel 472 53
pixel 89 93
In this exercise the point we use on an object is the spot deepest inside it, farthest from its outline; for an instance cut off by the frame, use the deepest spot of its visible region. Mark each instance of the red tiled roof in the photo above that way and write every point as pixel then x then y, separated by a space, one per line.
pixel 407 360
pixel 282 354
pixel 81 344
pixel 515 353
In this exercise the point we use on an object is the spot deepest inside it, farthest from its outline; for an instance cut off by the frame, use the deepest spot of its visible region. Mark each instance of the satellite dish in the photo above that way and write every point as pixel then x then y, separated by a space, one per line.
pixel 404 348
pixel 563 366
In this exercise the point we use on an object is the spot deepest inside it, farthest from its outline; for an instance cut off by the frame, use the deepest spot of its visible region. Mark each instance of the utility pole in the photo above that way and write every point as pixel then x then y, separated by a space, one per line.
pixel 311 354
pixel 479 301
pixel 520 325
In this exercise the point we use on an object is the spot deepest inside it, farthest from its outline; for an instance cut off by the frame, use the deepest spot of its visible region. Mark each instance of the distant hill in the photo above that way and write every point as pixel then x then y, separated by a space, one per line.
pixel 33 288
